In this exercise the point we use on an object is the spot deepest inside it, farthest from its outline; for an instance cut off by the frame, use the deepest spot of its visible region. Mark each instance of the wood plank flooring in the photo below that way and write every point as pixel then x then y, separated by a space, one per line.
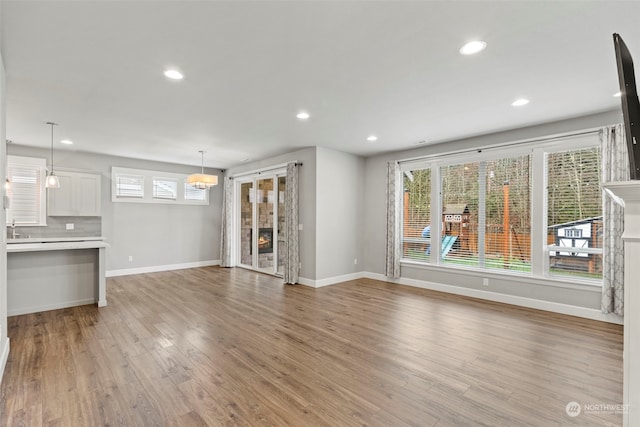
pixel 218 347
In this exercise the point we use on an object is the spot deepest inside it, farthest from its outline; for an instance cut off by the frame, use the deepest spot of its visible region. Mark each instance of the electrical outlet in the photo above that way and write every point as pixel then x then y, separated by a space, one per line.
pixel 300 227
pixel 485 282
pixel 70 226
pixel 130 258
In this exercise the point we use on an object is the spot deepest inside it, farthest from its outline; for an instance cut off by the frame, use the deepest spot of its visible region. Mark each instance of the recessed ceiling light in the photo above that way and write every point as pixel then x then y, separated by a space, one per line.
pixel 520 102
pixel 66 141
pixel 372 138
pixel 617 94
pixel 473 47
pixel 303 115
pixel 173 74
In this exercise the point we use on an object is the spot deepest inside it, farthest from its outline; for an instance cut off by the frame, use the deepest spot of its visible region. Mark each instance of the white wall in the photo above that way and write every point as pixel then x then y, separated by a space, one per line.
pixel 4 340
pixel 307 191
pixel 339 214
pixel 155 235
pixel 373 237
pixel 331 211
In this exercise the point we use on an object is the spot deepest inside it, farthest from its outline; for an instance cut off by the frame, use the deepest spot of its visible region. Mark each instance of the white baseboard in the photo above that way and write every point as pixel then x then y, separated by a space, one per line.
pixel 158 268
pixel 4 356
pixel 555 307
pixel 330 280
pixel 306 282
pixel 37 309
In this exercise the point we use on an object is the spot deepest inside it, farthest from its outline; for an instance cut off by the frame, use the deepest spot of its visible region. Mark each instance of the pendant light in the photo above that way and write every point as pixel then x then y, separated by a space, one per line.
pixel 202 181
pixel 52 180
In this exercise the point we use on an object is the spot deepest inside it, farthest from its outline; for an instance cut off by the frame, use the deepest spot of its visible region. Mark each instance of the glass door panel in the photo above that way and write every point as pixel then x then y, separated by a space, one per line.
pixel 281 213
pixel 265 199
pixel 246 223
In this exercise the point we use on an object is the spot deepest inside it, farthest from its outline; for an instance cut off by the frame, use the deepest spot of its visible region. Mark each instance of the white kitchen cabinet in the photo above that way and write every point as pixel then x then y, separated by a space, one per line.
pixel 78 195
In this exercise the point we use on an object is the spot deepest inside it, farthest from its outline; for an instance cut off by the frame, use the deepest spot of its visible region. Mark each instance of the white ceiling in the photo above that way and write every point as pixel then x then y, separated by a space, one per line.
pixel 359 68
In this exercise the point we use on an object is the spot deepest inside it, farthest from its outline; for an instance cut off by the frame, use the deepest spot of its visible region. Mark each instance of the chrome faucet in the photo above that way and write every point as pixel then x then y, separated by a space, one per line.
pixel 13 230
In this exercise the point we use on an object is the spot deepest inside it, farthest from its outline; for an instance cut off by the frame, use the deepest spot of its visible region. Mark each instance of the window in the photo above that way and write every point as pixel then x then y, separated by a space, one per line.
pixel 416 237
pixel 486 214
pixel 476 211
pixel 460 202
pixel 574 213
pixel 129 186
pixel 164 188
pixel 573 232
pixel 508 213
pixel 26 192
pixel 192 193
pixel 145 186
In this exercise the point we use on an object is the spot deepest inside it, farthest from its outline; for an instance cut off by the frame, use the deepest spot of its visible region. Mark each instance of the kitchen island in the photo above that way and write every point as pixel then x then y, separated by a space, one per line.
pixel 51 273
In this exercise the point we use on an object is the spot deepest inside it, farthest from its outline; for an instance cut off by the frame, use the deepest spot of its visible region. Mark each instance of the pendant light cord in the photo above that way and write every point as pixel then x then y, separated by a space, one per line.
pixel 202 163
pixel 52 125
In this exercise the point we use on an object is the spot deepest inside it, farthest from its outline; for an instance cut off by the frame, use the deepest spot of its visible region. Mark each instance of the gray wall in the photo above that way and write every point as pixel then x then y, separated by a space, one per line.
pixel 153 234
pixel 307 192
pixel 373 238
pixel 339 214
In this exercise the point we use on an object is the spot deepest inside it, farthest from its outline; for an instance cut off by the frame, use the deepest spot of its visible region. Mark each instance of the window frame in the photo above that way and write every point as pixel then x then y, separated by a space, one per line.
pixel 149 179
pixel 538 151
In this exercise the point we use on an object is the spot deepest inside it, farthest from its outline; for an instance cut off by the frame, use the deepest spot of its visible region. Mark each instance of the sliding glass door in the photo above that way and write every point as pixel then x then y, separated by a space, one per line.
pixel 260 238
pixel 245 224
pixel 281 242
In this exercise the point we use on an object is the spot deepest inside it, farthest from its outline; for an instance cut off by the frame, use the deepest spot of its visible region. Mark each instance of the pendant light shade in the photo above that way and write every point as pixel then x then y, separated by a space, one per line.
pixel 52 180
pixel 202 181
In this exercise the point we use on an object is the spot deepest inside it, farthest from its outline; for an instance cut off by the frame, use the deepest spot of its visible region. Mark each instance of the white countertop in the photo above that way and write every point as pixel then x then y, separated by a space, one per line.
pixel 55 245
pixel 20 240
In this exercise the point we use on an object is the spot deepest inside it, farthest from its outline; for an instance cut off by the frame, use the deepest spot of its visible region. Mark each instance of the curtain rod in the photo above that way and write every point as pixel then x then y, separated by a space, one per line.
pixel 520 143
pixel 265 170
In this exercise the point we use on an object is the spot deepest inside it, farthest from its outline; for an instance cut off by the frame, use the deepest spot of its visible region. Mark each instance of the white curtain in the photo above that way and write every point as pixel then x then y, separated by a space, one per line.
pixel 227 221
pixel 292 251
pixel 615 167
pixel 394 187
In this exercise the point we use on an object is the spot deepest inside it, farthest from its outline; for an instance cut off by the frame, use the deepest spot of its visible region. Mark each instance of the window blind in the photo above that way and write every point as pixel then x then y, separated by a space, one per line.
pixel 26 191
pixel 129 186
pixel 507 237
pixel 164 188
pixel 460 203
pixel 574 212
pixel 192 193
pixel 416 215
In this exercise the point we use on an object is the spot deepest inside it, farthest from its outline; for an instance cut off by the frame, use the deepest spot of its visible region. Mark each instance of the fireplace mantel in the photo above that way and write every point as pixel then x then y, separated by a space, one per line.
pixel 629 192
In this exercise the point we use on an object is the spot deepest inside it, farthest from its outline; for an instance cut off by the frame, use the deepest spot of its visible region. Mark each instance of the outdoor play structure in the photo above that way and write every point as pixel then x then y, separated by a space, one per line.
pixel 501 241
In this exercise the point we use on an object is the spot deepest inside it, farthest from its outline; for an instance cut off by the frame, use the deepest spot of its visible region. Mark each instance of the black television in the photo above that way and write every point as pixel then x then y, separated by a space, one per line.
pixel 630 103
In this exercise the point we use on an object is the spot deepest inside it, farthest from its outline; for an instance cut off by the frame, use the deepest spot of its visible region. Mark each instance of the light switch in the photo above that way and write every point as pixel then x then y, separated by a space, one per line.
pixel 69 226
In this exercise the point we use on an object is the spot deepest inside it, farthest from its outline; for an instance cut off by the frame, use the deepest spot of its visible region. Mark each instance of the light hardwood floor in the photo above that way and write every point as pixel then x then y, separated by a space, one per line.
pixel 212 346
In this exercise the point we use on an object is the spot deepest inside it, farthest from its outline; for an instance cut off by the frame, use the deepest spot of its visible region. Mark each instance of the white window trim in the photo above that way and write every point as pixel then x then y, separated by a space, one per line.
pixel 149 176
pixel 41 164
